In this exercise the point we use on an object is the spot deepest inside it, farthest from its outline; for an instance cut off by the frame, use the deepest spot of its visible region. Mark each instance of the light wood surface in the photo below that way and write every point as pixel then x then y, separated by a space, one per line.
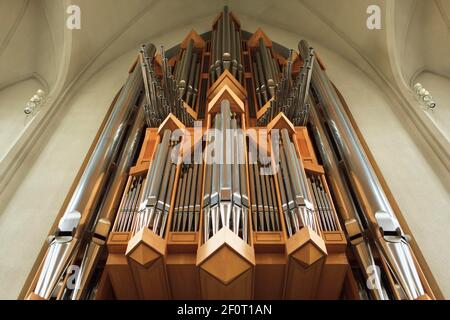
pixel 253 42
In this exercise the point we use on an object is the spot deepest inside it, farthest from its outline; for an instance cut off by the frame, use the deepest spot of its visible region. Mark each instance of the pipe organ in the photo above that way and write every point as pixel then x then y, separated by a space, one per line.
pixel 229 168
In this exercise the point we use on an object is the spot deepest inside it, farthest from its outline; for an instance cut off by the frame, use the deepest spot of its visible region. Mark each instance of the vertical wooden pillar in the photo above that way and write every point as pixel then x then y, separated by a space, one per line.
pixel 117 267
pixel 335 267
pixel 336 263
pixel 120 277
pixel 146 251
pixel 306 251
pixel 306 256
pixel 270 247
pixel 226 263
pixel 146 256
pixel 182 247
pixel 226 266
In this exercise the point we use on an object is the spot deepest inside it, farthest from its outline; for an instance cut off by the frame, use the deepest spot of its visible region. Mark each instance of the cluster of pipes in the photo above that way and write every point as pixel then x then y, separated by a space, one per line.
pixel 126 216
pixel 226 51
pixel 323 204
pixel 187 74
pixel 83 229
pixel 266 73
pixel 163 96
pixel 225 198
pixel 265 213
pixel 155 207
pixel 291 97
pixel 186 213
pixel 295 195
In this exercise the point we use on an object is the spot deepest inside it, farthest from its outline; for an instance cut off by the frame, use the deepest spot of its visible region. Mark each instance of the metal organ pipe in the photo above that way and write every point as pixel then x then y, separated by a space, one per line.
pixel 226 48
pixel 78 214
pixel 391 241
pixel 296 199
pixel 226 203
pixel 109 207
pixel 346 206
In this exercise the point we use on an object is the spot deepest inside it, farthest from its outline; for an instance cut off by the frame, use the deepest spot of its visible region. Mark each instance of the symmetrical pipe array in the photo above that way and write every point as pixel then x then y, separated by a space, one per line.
pixel 276 188
pixel 264 202
pixel 126 217
pixel 226 48
pixel 297 206
pixel 225 199
pixel 322 203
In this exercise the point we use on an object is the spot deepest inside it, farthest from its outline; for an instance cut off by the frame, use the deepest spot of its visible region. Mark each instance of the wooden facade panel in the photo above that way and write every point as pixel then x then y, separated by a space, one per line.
pixel 184 277
pixel 240 289
pixel 121 277
pixel 333 276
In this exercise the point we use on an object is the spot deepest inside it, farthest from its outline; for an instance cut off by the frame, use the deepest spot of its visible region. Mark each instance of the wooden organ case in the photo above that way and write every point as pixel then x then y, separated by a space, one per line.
pixel 230 231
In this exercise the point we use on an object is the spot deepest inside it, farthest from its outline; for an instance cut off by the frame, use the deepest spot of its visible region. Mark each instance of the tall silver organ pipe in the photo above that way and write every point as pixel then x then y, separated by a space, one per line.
pixel 291 97
pixel 296 199
pixel 78 215
pixel 163 96
pixel 263 192
pixel 155 207
pixel 226 48
pixel 109 207
pixel 266 72
pixel 385 228
pixel 346 206
pixel 226 202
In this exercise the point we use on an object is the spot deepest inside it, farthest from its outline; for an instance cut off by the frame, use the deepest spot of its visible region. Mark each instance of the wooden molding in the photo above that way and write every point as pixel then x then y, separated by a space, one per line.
pixel 307 253
pixel 146 247
pixel 171 123
pixel 254 39
pixel 226 78
pixel 33 296
pixel 226 93
pixel 263 110
pixel 281 122
pixel 190 110
pixel 332 277
pixel 198 40
pixel 225 247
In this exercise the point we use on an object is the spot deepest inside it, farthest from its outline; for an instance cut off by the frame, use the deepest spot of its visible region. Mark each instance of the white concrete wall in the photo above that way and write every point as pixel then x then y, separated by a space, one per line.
pixel 27 212
pixel 13 100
